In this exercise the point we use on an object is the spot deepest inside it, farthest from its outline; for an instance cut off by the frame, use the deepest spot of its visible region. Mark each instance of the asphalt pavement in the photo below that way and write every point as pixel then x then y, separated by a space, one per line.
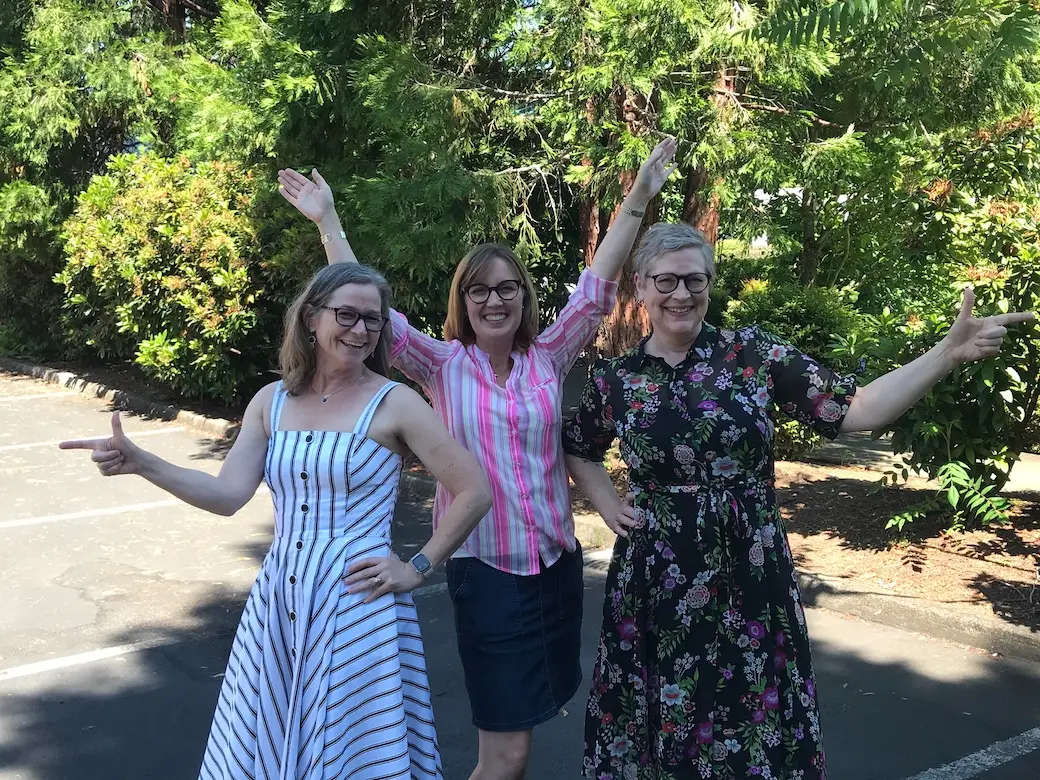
pixel 121 604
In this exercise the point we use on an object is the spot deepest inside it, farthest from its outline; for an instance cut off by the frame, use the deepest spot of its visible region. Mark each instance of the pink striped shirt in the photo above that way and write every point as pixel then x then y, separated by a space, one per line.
pixel 514 431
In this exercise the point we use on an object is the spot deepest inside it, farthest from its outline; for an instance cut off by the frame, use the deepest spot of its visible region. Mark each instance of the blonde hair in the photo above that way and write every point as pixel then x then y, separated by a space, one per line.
pixel 297 356
pixel 472 267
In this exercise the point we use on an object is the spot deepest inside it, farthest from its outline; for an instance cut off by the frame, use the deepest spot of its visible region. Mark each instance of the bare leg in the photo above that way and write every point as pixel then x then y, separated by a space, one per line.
pixel 502 755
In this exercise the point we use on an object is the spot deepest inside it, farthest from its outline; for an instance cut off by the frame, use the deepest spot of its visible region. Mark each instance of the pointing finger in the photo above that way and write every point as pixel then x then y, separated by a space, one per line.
pixel 1014 318
pixel 81 444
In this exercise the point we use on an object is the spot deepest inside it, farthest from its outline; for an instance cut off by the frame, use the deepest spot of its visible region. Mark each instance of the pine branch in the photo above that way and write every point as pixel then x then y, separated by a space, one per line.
pixel 492 91
pixel 773 107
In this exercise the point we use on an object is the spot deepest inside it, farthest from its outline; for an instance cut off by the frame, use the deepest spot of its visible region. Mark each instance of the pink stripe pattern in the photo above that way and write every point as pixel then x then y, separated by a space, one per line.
pixel 515 431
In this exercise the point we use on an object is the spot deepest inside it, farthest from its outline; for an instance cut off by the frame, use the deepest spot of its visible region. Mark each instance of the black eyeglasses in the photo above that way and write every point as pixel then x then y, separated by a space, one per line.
pixel 348 318
pixel 695 283
pixel 507 290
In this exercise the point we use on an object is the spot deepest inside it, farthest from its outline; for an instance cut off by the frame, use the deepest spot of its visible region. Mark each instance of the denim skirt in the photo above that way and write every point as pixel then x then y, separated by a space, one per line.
pixel 519 639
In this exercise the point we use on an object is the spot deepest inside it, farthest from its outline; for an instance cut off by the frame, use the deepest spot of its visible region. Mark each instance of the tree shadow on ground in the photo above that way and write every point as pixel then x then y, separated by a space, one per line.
pixel 145 715
pixel 838 527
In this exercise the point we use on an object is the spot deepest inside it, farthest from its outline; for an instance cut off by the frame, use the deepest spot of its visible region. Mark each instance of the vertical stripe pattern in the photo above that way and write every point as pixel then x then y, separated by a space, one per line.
pixel 515 431
pixel 320 685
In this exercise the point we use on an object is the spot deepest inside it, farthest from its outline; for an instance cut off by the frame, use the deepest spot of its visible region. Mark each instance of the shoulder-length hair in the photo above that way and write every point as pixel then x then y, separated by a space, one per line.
pixel 297 356
pixel 470 269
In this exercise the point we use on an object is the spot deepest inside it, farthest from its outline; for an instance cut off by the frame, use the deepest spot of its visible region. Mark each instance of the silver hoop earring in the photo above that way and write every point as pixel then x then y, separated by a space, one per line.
pixel 313 340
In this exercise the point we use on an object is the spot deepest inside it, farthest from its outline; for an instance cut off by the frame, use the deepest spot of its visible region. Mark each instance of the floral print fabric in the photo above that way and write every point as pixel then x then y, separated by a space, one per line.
pixel 703 668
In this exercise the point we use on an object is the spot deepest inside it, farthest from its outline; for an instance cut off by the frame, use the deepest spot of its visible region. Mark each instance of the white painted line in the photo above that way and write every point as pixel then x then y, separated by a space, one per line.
pixel 89 513
pixel 56 442
pixel 86 514
pixel 988 758
pixel 33 397
pixel 54 664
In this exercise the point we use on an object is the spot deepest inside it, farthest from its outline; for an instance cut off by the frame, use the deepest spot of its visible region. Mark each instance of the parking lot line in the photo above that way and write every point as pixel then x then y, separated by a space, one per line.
pixel 53 664
pixel 94 435
pixel 983 760
pixel 88 513
pixel 33 397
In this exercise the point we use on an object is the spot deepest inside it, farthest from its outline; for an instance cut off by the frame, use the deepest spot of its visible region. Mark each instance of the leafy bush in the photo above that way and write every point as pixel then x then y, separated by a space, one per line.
pixel 163 267
pixel 29 257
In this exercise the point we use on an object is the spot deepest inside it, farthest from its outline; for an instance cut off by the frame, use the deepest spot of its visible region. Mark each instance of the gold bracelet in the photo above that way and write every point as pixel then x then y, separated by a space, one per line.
pixel 634 212
pixel 327 237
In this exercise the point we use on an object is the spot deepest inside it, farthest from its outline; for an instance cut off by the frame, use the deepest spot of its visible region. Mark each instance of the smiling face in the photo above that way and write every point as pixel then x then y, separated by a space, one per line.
pixel 342 346
pixel 495 301
pixel 676 315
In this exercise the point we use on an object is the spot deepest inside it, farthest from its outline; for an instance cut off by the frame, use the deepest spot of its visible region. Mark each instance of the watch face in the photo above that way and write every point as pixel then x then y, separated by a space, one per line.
pixel 421 563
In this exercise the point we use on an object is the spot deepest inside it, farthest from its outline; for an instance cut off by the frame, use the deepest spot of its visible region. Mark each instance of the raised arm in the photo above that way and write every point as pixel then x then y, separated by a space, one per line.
pixel 617 244
pixel 223 494
pixel 451 464
pixel 415 354
pixel 596 291
pixel 971 338
pixel 313 198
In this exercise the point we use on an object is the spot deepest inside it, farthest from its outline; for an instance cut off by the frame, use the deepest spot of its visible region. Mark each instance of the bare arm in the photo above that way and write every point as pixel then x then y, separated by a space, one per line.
pixel 452 465
pixel 879 403
pixel 313 198
pixel 617 244
pixel 594 481
pixel 223 494
pixel 418 427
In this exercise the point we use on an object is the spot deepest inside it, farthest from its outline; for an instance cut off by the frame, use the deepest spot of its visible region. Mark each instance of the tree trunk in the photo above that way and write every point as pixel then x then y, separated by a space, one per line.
pixel 809 259
pixel 698 211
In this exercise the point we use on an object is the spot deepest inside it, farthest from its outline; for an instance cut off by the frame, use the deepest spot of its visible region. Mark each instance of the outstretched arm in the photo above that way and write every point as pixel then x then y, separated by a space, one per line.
pixel 617 244
pixel 223 494
pixel 313 198
pixel 970 338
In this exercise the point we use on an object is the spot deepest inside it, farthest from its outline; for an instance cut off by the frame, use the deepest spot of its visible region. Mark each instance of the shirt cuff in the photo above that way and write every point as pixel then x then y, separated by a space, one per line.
pixel 602 292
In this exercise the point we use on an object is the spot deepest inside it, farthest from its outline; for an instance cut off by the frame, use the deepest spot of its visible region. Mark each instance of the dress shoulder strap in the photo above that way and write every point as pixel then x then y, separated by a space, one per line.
pixel 276 405
pixel 361 428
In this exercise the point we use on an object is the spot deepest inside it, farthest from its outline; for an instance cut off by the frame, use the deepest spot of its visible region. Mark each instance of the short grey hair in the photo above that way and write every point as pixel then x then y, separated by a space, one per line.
pixel 667 237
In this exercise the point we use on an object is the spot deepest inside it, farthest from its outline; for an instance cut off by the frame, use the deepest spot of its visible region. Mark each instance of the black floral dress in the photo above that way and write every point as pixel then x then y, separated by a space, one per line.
pixel 703 668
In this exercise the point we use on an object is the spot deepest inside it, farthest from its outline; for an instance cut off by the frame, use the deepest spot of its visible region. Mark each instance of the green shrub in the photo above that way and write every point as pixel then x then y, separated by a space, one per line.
pixel 29 256
pixel 163 267
pixel 808 317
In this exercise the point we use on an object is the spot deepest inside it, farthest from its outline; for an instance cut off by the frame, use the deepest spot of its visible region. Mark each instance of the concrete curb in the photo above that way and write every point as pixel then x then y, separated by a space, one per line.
pixel 832 593
pixel 122 400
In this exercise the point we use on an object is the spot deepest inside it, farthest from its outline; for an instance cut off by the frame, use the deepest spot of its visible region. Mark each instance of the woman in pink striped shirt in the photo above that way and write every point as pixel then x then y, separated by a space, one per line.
pixel 496 381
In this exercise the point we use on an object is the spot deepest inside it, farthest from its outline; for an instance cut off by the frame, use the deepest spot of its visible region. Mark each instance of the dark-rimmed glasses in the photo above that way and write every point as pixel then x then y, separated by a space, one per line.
pixel 348 318
pixel 695 283
pixel 506 291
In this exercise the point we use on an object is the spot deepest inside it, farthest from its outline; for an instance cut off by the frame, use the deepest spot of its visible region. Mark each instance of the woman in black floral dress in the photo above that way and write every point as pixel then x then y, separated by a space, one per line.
pixel 703 668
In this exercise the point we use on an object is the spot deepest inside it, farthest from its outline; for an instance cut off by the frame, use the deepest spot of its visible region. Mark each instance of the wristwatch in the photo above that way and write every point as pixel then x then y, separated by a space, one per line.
pixel 421 564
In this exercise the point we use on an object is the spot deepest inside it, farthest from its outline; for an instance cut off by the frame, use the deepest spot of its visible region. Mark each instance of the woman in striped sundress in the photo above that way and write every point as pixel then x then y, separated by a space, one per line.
pixel 496 381
pixel 326 679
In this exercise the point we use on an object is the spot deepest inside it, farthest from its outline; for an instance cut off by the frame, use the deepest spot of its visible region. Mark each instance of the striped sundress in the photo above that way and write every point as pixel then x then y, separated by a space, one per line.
pixel 320 685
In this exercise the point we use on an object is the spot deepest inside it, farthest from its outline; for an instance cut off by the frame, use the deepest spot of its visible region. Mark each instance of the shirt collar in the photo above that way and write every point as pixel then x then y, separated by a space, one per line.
pixel 635 359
